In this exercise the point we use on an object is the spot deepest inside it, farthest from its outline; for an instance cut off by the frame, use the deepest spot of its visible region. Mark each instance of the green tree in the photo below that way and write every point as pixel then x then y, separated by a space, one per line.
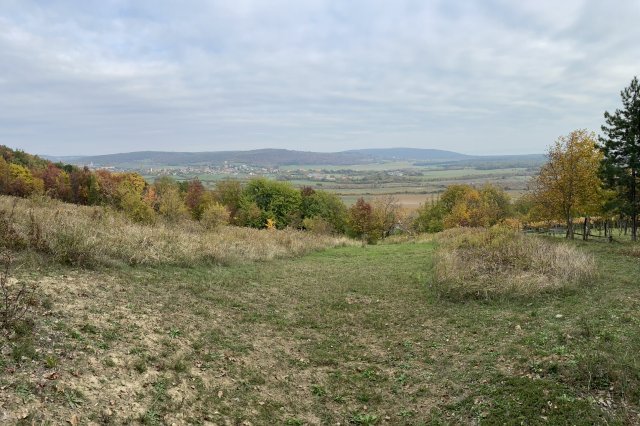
pixel 430 217
pixel 278 201
pixel 325 206
pixel 621 147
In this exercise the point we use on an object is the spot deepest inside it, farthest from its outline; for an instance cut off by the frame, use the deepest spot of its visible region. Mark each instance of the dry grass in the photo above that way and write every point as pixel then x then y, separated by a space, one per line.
pixel 633 250
pixel 498 262
pixel 94 235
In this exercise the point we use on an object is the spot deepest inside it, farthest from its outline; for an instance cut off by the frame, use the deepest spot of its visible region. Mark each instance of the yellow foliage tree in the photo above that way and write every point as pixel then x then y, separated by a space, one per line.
pixel 171 205
pixel 568 185
pixel 22 182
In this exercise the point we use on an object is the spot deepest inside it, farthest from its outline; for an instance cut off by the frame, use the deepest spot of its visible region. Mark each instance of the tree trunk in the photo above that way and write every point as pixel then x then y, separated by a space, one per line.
pixel 634 206
pixel 585 229
pixel 569 227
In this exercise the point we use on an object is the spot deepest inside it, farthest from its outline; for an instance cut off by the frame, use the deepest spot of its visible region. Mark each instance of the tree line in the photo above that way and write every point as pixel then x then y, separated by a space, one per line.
pixel 258 203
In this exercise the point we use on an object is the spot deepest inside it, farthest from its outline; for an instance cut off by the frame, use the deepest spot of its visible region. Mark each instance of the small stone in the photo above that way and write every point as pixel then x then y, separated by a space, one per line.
pixel 559 316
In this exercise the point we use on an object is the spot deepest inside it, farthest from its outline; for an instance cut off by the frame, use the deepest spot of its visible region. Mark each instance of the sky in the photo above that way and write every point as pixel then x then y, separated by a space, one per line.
pixel 478 77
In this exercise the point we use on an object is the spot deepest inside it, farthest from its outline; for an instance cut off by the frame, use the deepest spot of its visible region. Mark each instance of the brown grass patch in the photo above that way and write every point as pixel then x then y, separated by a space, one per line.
pixel 95 235
pixel 485 263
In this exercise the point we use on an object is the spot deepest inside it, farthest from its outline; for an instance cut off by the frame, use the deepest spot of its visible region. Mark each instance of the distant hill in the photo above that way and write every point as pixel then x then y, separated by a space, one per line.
pixel 267 157
pixel 411 154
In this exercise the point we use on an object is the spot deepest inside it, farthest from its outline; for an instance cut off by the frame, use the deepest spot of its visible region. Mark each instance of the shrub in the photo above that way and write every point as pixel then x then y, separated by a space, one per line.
pixel 499 262
pixel 318 225
pixel 14 296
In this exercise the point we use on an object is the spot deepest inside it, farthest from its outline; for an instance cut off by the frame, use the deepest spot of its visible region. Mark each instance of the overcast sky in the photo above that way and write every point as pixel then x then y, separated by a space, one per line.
pixel 494 76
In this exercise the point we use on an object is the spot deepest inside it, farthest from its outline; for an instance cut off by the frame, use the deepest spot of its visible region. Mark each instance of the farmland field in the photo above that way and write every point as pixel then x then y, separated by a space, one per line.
pixel 411 185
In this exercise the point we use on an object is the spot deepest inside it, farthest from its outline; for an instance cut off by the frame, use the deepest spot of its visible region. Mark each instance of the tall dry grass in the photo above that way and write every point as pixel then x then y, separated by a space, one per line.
pixel 499 262
pixel 87 236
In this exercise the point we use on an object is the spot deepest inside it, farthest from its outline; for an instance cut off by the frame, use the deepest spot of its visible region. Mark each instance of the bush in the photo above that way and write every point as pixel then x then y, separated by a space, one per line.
pixel 14 296
pixel 499 262
pixel 318 225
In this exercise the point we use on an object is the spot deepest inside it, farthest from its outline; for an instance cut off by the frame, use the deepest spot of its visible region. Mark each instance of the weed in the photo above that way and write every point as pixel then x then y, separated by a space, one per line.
pixel 51 361
pixel 318 390
pixel 364 419
pixel 179 366
pixel 140 365
pixel 23 349
pixel 73 397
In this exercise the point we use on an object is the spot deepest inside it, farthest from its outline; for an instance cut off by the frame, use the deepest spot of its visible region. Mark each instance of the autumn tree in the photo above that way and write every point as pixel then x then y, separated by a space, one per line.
pixel 621 147
pixel 85 188
pixel 194 198
pixel 464 205
pixel 360 220
pixel 568 185
pixel 214 215
pixel 56 182
pixel 22 183
pixel 171 205
pixel 386 213
pixel 5 176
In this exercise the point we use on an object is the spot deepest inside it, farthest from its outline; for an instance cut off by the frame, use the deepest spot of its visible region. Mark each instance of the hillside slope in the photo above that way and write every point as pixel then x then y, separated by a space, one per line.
pixel 349 335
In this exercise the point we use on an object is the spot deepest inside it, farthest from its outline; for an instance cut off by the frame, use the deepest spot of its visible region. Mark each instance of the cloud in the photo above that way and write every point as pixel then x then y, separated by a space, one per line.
pixel 494 77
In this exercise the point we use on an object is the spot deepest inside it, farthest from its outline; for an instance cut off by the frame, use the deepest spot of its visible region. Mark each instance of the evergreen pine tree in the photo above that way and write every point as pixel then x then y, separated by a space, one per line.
pixel 621 148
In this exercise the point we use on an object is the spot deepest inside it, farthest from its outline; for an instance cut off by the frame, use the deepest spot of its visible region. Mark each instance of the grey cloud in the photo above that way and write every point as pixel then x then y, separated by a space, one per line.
pixel 492 77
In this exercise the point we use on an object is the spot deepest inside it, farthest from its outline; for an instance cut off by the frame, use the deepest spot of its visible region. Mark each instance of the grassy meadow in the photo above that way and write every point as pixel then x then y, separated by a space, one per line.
pixel 319 332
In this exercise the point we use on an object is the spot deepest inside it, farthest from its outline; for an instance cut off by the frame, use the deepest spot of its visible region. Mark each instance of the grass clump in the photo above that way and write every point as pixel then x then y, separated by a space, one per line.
pixel 485 263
